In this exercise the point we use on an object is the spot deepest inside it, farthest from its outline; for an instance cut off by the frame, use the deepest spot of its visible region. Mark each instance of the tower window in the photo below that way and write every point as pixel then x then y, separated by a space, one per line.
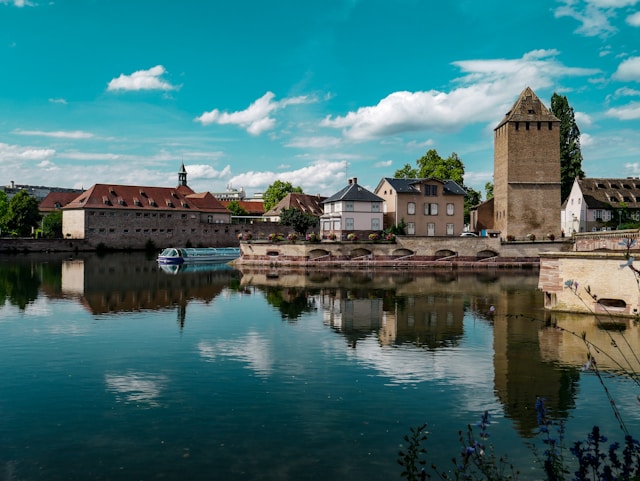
pixel 527 125
pixel 550 125
pixel 517 125
pixel 539 125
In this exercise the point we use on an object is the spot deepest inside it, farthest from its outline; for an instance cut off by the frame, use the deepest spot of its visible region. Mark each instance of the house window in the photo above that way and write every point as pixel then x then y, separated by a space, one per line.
pixel 431 190
pixel 411 208
pixel 375 224
pixel 431 229
pixel 597 215
pixel 209 219
pixel 336 224
pixel 430 209
pixel 375 206
pixel 348 223
pixel 411 228
pixel 326 225
pixel 449 209
pixel 449 229
pixel 348 206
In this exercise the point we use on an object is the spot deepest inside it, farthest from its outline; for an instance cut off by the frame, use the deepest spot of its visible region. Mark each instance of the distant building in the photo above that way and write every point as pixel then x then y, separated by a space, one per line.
pixel 39 192
pixel 55 201
pixel 596 204
pixel 429 207
pixel 126 216
pixel 309 204
pixel 353 209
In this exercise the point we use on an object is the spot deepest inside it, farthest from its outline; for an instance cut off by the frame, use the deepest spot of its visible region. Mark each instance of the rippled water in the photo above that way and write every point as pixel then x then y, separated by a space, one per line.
pixel 114 369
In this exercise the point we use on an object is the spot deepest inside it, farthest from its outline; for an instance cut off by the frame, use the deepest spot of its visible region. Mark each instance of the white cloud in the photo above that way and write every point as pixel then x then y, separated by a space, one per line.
pixel 142 80
pixel 319 176
pixel 634 19
pixel 626 92
pixel 314 142
pixel 17 3
pixel 594 16
pixel 136 388
pixel 18 152
pixel 202 171
pixel 583 119
pixel 383 163
pixel 631 111
pixel 48 165
pixel 628 70
pixel 487 87
pixel 252 349
pixel 71 134
pixel 58 101
pixel 257 117
pixel 586 140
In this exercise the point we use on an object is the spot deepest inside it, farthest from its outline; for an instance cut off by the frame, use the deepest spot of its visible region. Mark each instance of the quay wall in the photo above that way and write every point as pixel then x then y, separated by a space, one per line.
pixel 405 252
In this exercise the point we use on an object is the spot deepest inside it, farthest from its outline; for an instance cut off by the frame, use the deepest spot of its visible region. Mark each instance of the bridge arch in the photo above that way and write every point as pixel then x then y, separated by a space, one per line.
pixel 402 252
pixel 441 253
pixel 486 254
pixel 316 253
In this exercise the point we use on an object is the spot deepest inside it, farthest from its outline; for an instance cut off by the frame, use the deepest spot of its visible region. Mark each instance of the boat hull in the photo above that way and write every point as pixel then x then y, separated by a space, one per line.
pixel 195 255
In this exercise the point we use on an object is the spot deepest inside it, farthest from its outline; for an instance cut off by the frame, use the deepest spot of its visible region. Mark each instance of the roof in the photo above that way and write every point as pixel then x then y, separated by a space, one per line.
pixel 309 204
pixel 55 200
pixel 353 192
pixel 411 186
pixel 602 193
pixel 252 207
pixel 134 197
pixel 528 108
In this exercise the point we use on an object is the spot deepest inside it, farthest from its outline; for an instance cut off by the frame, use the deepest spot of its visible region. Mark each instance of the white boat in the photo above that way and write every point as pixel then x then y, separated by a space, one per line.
pixel 191 255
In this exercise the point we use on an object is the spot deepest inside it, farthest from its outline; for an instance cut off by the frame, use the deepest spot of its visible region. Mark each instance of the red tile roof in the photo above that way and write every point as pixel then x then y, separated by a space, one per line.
pixel 55 200
pixel 252 207
pixel 123 197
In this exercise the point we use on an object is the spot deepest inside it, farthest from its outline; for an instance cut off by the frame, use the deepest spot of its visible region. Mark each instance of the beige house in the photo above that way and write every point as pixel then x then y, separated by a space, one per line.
pixel 429 207
pixel 309 204
pixel 352 210
pixel 129 216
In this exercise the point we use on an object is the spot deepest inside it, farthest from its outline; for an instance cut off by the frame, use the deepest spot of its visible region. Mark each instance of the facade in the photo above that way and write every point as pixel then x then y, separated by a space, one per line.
pixel 599 204
pixel 309 204
pixel 125 216
pixel 353 209
pixel 429 207
pixel 527 170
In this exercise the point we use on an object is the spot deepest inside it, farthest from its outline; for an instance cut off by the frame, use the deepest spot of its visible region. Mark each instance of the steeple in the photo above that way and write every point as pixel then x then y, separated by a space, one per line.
pixel 182 175
pixel 528 108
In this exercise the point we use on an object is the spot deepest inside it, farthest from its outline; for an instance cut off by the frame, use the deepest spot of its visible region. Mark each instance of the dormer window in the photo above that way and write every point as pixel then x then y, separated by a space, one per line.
pixel 137 202
pixel 143 193
pixel 152 203
pixel 121 201
pixel 105 200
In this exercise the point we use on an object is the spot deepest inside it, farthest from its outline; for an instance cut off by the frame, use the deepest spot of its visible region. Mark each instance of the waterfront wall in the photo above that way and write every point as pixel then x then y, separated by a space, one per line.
pixel 589 282
pixel 406 251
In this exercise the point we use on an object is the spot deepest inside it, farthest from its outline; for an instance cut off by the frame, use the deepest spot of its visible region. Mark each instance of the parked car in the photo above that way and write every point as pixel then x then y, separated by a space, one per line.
pixel 468 234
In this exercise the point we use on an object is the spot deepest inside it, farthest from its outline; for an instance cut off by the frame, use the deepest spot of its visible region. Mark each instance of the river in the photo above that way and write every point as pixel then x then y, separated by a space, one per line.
pixel 115 369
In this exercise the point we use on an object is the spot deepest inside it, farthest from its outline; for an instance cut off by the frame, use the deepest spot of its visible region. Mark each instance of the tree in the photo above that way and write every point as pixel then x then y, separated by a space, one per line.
pixel 472 199
pixel 52 225
pixel 236 209
pixel 4 208
pixel 278 191
pixel 488 189
pixel 300 221
pixel 432 165
pixel 570 153
pixel 22 214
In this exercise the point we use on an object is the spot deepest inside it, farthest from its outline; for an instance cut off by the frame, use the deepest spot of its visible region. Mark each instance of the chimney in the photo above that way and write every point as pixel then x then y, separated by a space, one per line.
pixel 355 180
pixel 350 181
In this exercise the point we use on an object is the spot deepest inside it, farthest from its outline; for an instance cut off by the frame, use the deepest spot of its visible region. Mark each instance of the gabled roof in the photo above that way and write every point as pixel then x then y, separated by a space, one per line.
pixel 309 204
pixel 412 186
pixel 602 193
pixel 353 192
pixel 253 207
pixel 134 197
pixel 56 200
pixel 528 108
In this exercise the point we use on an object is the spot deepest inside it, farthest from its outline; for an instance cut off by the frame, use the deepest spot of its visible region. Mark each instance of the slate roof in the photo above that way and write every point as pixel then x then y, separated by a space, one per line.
pixel 528 108
pixel 310 204
pixel 602 193
pixel 353 192
pixel 125 197
pixel 411 186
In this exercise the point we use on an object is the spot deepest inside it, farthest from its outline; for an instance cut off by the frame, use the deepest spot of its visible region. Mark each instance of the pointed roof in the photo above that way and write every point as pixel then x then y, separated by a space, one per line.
pixel 402 186
pixel 528 108
pixel 604 193
pixel 310 204
pixel 354 192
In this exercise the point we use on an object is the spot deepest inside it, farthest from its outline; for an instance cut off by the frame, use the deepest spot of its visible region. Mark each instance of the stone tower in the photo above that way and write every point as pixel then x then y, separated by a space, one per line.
pixel 526 170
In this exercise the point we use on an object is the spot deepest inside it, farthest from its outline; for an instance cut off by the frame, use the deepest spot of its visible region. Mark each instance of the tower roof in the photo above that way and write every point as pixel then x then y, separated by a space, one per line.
pixel 528 108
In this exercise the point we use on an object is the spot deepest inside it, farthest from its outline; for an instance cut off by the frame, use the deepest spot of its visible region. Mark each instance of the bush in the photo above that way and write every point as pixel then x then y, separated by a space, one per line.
pixel 352 236
pixel 292 237
pixel 312 237
pixel 374 236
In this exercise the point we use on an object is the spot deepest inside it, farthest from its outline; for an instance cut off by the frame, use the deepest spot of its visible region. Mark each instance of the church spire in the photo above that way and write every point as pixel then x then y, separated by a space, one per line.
pixel 182 175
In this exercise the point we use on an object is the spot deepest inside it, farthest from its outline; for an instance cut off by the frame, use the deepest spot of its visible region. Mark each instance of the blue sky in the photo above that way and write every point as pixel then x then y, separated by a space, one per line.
pixel 247 92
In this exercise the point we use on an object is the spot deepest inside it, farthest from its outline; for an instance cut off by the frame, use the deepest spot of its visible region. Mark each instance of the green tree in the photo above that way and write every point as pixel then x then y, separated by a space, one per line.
pixel 472 199
pixel 300 221
pixel 4 208
pixel 432 164
pixel 278 191
pixel 22 215
pixel 488 189
pixel 570 153
pixel 236 209
pixel 52 225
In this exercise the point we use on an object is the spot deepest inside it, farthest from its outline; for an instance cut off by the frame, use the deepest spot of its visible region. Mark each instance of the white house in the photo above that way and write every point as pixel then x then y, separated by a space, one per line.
pixel 353 209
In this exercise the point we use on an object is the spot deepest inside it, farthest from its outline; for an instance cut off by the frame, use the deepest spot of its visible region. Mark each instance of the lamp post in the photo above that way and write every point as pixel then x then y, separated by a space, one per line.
pixel 619 219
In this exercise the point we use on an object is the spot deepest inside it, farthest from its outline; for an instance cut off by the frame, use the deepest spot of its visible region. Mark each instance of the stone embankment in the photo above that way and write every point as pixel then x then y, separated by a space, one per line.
pixel 406 252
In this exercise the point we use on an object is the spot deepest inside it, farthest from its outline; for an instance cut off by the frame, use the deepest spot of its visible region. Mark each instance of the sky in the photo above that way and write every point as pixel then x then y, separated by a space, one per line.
pixel 313 92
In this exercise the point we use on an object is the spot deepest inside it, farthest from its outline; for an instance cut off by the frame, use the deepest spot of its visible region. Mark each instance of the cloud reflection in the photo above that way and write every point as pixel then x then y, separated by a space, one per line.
pixel 250 349
pixel 138 388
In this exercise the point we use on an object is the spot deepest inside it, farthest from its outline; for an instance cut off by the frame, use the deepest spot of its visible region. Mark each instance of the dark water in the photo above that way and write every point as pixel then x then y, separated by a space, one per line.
pixel 113 369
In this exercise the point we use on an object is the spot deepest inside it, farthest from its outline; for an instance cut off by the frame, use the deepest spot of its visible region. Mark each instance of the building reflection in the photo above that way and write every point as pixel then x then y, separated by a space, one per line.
pixel 120 283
